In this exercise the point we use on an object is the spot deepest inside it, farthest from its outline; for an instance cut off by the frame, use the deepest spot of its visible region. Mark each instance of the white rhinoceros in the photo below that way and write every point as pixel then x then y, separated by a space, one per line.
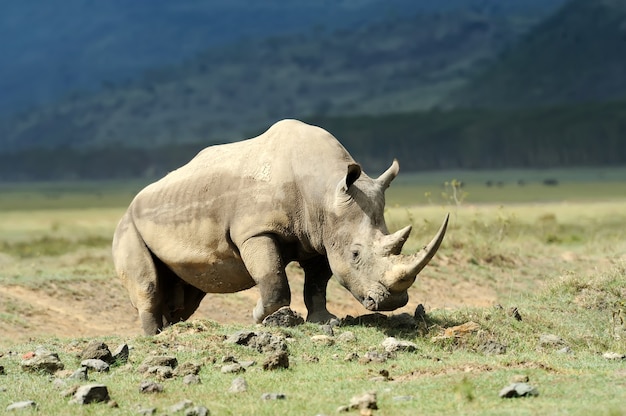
pixel 238 213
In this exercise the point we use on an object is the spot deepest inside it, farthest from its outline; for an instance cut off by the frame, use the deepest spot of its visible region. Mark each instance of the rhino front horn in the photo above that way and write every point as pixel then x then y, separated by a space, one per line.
pixel 406 276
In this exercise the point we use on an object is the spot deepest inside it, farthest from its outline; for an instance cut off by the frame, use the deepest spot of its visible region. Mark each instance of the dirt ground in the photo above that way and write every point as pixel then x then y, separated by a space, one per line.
pixel 90 308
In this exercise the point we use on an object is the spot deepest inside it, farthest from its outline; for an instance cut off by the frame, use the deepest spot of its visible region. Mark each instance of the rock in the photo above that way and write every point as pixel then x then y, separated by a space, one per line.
pixel 374 357
pixel 276 360
pixel 391 344
pixel 247 363
pixel 197 411
pixel 420 313
pixel 351 356
pixel 365 401
pixel 565 350
pixel 492 347
pixel 81 374
pixel 121 353
pixel 284 317
pixel 187 368
pixel 2 371
pixel 148 411
pixel 42 361
pixel 148 386
pixel 273 396
pixel 26 404
pixel 323 340
pixel 232 368
pixel 518 390
pixel 613 356
pixel 69 392
pixel 180 406
pixel 98 351
pixel 191 379
pixel 161 371
pixel 328 330
pixel 550 340
pixel 95 364
pixel 239 385
pixel 155 361
pixel 91 393
pixel 260 341
pixel 346 337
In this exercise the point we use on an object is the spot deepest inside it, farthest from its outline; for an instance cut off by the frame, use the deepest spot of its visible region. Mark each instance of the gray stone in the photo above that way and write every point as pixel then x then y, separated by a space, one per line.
pixel 97 350
pixel 284 317
pixel 551 340
pixel 276 361
pixel 492 347
pixel 246 364
pixel 23 405
pixel 232 368
pixel 81 374
pixel 323 340
pixel 518 390
pixel 239 385
pixel 565 350
pixel 187 368
pixel 148 386
pixel 273 396
pixel 347 336
pixel 191 379
pixel 364 401
pixel 197 411
pixel 149 411
pixel 91 393
pixel 328 330
pixel 374 357
pixel 260 341
pixel 613 356
pixel 43 361
pixel 161 371
pixel 121 354
pixel 156 361
pixel 392 344
pixel 180 406
pixel 96 365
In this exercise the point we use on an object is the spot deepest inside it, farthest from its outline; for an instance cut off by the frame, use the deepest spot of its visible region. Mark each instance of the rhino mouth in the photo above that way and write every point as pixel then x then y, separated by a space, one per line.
pixel 381 299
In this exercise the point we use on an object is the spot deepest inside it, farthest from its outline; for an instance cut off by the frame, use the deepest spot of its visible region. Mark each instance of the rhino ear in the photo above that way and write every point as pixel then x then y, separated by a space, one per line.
pixel 354 171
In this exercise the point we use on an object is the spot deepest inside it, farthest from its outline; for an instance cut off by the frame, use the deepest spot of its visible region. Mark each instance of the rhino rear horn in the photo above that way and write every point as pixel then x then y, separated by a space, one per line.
pixel 392 244
pixel 387 176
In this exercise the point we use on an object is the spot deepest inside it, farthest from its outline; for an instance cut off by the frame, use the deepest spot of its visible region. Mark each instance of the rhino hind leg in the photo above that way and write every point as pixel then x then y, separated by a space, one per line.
pixel 188 300
pixel 262 258
pixel 136 267
pixel 317 273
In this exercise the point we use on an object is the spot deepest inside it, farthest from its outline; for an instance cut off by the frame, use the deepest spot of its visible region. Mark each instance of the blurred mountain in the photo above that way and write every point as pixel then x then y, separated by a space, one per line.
pixel 392 65
pixel 576 55
pixel 51 48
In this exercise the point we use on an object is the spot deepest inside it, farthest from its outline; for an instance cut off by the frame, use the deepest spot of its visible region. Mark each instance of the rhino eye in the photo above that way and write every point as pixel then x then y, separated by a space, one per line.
pixel 356 253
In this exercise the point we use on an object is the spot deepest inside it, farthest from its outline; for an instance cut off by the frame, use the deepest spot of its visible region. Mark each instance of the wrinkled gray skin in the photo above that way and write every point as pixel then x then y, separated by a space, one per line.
pixel 236 214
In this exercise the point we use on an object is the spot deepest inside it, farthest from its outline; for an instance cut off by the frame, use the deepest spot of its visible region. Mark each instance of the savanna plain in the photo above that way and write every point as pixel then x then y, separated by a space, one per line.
pixel 530 282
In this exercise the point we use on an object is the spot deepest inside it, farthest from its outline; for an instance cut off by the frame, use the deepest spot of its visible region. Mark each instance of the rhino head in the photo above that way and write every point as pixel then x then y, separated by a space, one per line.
pixel 364 257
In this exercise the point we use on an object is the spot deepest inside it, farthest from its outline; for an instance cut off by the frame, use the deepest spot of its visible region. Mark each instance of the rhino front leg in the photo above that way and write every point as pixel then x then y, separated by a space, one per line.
pixel 264 263
pixel 317 273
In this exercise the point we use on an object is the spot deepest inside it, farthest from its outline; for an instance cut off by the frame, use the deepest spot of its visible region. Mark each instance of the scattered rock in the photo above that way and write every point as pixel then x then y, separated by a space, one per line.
pixel 42 361
pixel 197 411
pixel 232 368
pixel 351 356
pixel 550 340
pixel 492 347
pixel 157 361
pixel 260 341
pixel 273 396
pixel 180 406
pixel 247 363
pixel 191 379
pixel 565 350
pixel 161 371
pixel 365 401
pixel 323 340
pixel 26 404
pixel 276 361
pixel 121 353
pixel 284 317
pixel 97 350
pixel 328 330
pixel 91 393
pixel 374 357
pixel 2 371
pixel 518 390
pixel 613 356
pixel 347 337
pixel 148 411
pixel 95 364
pixel 81 374
pixel 69 392
pixel 392 344
pixel 148 386
pixel 310 358
pixel 187 368
pixel 239 385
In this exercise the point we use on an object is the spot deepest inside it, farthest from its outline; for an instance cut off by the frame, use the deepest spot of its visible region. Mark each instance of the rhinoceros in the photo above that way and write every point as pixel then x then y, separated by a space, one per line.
pixel 235 216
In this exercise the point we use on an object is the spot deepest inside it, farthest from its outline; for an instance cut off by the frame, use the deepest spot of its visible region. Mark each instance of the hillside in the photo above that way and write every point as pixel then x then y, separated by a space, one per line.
pixel 50 49
pixel 393 65
pixel 576 55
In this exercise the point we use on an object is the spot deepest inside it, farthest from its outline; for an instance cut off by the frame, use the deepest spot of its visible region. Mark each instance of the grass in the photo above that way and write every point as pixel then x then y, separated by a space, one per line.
pixel 560 263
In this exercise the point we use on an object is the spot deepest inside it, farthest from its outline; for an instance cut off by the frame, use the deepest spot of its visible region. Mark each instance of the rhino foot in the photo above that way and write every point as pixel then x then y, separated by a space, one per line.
pixel 320 317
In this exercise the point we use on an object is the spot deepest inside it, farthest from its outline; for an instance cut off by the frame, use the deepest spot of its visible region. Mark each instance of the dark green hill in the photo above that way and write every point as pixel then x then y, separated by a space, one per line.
pixel 394 65
pixel 577 55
